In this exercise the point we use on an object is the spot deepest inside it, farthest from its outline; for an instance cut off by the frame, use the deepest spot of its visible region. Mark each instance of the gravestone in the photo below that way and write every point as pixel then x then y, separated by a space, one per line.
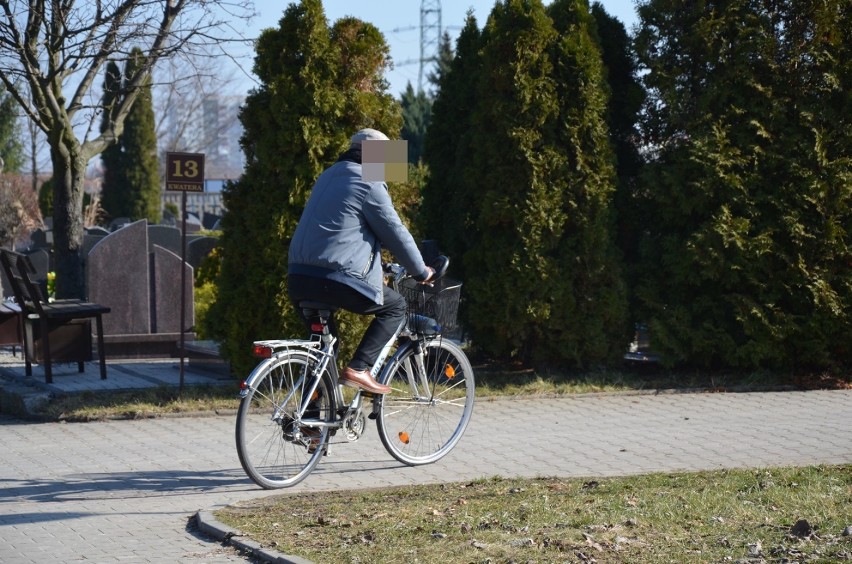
pixel 166 298
pixel 118 223
pixel 143 289
pixel 198 249
pixel 5 287
pixel 41 239
pixel 193 224
pixel 210 221
pixel 164 236
pixel 97 230
pixel 89 241
pixel 40 259
pixel 117 277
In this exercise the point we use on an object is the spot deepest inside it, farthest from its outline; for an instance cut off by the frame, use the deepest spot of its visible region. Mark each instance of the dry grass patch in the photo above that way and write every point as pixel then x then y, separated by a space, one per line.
pixel 778 515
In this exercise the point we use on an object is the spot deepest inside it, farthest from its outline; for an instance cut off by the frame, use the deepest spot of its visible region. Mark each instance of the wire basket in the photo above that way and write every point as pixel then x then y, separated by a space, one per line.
pixel 439 302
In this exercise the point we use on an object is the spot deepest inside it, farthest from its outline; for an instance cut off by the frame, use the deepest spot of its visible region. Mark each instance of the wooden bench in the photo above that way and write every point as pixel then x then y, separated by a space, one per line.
pixel 43 316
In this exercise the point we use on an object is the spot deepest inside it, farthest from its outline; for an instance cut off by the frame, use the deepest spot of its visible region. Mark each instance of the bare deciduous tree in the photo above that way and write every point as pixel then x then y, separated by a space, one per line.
pixel 51 55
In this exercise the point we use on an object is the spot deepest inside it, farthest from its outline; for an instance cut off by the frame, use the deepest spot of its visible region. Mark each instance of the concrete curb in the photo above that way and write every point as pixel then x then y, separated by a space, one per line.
pixel 209 525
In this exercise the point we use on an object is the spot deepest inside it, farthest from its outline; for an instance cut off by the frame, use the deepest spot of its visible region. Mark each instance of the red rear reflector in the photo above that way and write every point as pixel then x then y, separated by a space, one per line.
pixel 243 385
pixel 316 327
pixel 263 351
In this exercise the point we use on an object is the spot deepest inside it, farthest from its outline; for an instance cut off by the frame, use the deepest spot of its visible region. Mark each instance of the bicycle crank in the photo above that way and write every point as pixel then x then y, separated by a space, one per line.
pixel 354 424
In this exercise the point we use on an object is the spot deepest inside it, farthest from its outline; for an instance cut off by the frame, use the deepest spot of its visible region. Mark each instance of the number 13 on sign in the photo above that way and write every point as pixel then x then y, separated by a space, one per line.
pixel 185 172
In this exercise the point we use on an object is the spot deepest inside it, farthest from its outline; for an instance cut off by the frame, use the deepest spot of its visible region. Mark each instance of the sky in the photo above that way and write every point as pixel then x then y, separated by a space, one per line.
pixel 399 21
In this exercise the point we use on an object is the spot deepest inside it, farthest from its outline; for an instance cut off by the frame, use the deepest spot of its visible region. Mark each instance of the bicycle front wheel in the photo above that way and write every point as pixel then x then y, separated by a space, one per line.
pixel 430 403
pixel 282 433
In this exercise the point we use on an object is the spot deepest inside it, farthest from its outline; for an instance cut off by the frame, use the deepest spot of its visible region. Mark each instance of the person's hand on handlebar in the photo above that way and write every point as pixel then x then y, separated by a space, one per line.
pixel 431 277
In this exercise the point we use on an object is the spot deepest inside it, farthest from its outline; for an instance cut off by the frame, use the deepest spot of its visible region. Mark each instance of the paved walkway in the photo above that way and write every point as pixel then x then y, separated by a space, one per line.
pixel 125 490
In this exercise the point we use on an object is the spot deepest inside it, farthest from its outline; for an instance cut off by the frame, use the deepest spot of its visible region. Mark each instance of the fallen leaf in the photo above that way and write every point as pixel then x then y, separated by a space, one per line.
pixel 755 550
pixel 522 542
pixel 591 542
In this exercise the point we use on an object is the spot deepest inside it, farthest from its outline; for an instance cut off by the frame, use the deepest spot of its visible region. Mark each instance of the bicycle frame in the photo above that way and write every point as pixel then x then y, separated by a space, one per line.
pixel 322 349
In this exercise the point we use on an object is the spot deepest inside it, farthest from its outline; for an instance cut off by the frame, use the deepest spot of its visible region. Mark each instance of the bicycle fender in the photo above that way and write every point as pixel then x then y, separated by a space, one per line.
pixel 262 367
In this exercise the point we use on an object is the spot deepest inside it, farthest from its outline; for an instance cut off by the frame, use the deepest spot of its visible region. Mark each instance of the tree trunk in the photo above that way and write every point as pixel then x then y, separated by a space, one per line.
pixel 69 169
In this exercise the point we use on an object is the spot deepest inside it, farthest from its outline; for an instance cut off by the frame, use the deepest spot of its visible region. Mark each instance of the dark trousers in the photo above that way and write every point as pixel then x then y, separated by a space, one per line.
pixel 388 316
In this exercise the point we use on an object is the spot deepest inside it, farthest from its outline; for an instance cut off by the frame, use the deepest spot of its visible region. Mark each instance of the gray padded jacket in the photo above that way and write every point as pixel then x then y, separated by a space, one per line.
pixel 343 228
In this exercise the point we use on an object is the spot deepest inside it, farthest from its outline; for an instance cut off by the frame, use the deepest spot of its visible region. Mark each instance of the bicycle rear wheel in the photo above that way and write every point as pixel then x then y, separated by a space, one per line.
pixel 429 407
pixel 278 443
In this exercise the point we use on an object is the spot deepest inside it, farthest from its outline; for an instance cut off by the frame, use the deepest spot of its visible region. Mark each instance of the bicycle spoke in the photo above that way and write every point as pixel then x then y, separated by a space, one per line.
pixel 275 449
pixel 430 404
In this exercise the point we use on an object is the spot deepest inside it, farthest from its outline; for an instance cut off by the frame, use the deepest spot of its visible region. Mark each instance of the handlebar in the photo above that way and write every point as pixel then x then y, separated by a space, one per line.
pixel 440 265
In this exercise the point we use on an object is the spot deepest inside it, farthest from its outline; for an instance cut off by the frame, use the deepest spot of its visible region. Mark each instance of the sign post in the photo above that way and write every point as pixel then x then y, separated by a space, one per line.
pixel 184 173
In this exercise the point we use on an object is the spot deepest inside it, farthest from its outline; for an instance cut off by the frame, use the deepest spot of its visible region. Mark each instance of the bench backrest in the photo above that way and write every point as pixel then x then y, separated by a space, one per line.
pixel 18 268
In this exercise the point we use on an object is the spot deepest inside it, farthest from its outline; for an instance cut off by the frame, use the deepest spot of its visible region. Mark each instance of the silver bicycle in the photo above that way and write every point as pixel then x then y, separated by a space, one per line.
pixel 293 407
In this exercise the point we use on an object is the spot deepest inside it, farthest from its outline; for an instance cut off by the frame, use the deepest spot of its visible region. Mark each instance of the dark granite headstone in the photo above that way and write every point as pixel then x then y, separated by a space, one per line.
pixel 40 259
pixel 89 241
pixel 193 224
pixel 5 287
pixel 164 236
pixel 198 249
pixel 118 223
pixel 210 220
pixel 97 230
pixel 165 283
pixel 41 239
pixel 117 276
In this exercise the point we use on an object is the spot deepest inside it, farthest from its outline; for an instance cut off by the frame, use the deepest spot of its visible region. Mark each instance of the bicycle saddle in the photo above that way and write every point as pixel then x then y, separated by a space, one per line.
pixel 308 304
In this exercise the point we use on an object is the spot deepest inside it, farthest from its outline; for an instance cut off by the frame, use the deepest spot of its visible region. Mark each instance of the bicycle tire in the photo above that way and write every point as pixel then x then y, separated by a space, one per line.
pixel 420 424
pixel 275 450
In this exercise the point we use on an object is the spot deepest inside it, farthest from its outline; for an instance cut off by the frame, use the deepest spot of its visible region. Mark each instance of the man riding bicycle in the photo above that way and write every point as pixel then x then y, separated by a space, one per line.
pixel 335 256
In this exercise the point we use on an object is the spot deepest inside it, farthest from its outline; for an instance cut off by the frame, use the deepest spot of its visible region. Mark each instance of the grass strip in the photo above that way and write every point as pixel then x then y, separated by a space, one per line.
pixel 777 515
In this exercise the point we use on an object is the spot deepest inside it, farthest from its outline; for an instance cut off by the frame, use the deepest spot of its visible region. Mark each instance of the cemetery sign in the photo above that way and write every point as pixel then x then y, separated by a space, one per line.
pixel 185 172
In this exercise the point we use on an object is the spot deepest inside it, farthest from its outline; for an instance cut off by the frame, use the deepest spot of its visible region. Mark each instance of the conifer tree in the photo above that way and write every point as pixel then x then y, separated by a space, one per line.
pixel 446 212
pixel 626 97
pixel 416 116
pixel 131 181
pixel 442 64
pixel 521 186
pixel 318 85
pixel 547 290
pixel 591 320
pixel 516 206
pixel 747 260
pixel 11 148
pixel 139 144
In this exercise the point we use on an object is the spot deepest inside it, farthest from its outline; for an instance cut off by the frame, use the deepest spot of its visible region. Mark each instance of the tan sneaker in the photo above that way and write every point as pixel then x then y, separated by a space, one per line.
pixel 362 379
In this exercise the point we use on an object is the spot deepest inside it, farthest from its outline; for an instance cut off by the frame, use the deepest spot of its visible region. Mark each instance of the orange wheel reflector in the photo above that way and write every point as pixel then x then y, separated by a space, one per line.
pixel 314 395
pixel 449 371
pixel 403 436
